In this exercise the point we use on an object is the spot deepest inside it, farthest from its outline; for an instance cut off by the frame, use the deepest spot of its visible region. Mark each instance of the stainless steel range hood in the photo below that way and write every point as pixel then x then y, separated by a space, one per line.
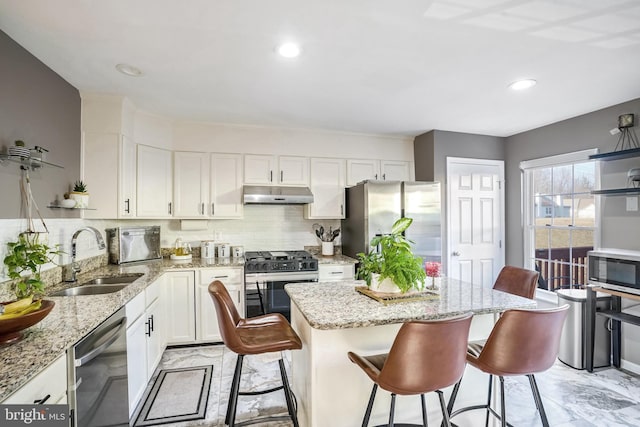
pixel 277 195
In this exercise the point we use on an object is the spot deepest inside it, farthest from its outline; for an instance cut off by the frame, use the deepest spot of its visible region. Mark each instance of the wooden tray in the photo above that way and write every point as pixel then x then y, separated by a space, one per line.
pixel 394 298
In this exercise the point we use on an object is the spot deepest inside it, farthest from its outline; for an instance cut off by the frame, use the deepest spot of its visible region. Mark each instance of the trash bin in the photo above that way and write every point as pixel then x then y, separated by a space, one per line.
pixel 573 341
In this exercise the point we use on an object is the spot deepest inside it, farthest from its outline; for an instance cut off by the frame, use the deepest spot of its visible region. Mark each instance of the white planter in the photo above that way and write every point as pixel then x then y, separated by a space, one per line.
pixel 387 285
pixel 82 199
pixel 327 248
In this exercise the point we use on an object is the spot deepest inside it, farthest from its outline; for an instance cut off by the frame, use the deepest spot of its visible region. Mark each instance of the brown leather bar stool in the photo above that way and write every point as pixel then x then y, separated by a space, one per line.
pixel 256 335
pixel 522 342
pixel 517 281
pixel 425 356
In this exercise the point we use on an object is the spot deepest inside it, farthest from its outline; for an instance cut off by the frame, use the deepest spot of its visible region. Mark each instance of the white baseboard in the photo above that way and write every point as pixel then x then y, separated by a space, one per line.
pixel 630 366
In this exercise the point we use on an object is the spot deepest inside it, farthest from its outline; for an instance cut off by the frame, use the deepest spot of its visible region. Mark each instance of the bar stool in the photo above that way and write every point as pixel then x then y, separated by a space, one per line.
pixel 522 342
pixel 256 335
pixel 425 356
pixel 517 281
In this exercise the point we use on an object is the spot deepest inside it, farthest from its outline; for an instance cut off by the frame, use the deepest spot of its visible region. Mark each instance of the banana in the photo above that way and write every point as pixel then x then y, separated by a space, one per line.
pixel 34 306
pixel 19 305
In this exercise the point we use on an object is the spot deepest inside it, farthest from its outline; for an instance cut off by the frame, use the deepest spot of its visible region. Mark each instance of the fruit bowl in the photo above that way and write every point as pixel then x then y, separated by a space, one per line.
pixel 11 329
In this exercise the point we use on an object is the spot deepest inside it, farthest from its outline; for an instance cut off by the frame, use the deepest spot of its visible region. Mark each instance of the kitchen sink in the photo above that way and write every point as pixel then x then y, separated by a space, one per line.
pixel 89 290
pixel 109 280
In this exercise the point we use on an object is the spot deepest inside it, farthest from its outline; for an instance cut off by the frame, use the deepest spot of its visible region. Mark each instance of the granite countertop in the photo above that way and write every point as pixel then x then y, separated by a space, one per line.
pixel 334 259
pixel 73 317
pixel 322 304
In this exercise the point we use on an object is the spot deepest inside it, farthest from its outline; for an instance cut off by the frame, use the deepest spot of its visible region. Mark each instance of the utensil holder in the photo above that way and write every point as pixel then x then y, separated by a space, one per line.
pixel 327 248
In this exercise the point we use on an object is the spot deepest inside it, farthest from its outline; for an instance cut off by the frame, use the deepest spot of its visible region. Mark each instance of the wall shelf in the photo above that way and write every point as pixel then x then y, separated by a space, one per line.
pixel 27 162
pixel 71 209
pixel 617 192
pixel 616 155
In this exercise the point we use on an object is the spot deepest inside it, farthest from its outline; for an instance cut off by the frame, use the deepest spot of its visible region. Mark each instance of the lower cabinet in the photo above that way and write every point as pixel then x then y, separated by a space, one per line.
pixel 145 339
pixel 207 329
pixel 335 272
pixel 49 386
pixel 180 307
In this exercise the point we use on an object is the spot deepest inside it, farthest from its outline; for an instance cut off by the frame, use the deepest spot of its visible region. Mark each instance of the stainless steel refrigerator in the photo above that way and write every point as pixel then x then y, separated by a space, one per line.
pixel 373 207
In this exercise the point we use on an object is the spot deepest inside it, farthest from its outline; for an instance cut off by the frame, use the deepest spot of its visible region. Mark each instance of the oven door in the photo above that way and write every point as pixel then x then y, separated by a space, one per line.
pixel 264 292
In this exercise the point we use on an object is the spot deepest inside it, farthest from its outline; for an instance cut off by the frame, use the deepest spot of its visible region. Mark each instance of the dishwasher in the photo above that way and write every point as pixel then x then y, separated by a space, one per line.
pixel 97 367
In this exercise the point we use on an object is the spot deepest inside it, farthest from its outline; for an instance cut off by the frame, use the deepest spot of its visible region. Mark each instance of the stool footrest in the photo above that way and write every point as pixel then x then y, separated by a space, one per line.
pixel 255 393
pixel 261 420
pixel 473 408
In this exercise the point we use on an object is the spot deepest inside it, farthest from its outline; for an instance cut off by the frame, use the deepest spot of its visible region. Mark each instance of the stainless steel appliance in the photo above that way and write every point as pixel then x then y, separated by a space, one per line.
pixel 273 195
pixel 97 369
pixel 266 273
pixel 130 244
pixel 373 207
pixel 616 269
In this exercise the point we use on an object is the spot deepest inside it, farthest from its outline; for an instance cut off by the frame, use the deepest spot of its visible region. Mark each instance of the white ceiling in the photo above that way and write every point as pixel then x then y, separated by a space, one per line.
pixel 371 66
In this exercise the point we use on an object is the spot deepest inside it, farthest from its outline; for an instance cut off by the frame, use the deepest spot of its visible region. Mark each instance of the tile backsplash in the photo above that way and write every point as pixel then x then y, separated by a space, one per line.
pixel 264 227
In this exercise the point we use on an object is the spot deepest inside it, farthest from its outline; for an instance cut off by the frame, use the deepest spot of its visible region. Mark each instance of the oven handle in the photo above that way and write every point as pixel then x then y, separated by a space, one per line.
pixel 95 351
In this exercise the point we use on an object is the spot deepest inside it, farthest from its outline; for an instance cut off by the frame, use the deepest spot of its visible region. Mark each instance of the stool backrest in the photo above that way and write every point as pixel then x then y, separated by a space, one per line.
pixel 523 342
pixel 426 356
pixel 517 281
pixel 228 317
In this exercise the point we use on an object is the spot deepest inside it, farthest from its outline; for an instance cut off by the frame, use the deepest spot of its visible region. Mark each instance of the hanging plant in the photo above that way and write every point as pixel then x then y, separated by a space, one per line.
pixel 28 254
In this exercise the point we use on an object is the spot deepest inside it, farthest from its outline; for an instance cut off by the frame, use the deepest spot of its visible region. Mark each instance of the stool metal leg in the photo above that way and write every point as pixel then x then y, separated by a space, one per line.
pixel 260 298
pixel 230 418
pixel 503 414
pixel 538 400
pixel 452 398
pixel 393 409
pixel 367 414
pixel 486 421
pixel 424 411
pixel 446 422
pixel 287 394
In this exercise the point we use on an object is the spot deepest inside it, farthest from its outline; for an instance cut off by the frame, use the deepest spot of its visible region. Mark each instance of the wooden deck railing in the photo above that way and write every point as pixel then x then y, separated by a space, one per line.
pixel 562 268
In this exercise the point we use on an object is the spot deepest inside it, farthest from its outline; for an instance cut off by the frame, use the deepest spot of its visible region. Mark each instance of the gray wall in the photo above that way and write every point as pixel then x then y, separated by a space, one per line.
pixel 620 229
pixel 431 150
pixel 41 108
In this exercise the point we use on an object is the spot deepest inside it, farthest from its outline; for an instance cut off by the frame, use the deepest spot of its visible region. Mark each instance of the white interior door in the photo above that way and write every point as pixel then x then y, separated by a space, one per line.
pixel 476 219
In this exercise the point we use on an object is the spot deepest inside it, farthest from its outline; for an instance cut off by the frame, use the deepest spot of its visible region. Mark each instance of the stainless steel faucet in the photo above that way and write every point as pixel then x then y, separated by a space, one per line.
pixel 74 266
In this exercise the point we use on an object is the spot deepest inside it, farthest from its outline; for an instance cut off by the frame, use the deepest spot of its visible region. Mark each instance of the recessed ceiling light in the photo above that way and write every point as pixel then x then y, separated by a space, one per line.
pixel 522 84
pixel 288 50
pixel 129 70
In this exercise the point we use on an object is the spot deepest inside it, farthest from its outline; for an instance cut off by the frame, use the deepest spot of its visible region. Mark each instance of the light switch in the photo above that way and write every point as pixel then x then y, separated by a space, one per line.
pixel 632 204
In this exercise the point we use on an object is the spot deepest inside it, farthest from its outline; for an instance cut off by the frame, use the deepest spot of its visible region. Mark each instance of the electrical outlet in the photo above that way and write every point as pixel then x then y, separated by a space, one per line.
pixel 632 204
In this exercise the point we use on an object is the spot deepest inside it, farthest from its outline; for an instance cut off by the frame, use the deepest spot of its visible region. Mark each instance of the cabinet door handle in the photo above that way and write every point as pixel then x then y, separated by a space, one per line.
pixel 270 176
pixel 202 209
pixel 169 208
pixel 384 176
pixel 151 323
pixel 126 206
pixel 213 208
pixel 281 176
pixel 147 329
pixel 41 401
pixel 341 209
pixel 376 176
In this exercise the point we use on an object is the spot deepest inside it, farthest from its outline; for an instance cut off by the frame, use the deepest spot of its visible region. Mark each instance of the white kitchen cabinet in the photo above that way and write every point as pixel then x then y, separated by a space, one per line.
pixel 335 272
pixel 391 170
pixel 226 186
pixel 327 182
pixel 180 307
pixel 385 170
pixel 154 182
pixel 52 382
pixel 276 170
pixel 190 184
pixel 108 165
pixel 145 339
pixel 207 329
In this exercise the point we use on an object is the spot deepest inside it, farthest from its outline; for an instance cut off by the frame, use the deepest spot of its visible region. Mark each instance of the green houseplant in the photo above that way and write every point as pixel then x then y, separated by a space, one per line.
pixel 28 254
pixel 394 261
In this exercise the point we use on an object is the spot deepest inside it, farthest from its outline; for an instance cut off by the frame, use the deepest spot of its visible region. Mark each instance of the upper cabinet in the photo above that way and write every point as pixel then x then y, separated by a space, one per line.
pixel 276 170
pixel 226 186
pixel 190 184
pixel 327 179
pixel 154 183
pixel 386 170
pixel 127 184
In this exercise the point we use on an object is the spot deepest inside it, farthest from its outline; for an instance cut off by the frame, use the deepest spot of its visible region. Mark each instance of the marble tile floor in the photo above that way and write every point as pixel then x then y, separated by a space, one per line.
pixel 605 398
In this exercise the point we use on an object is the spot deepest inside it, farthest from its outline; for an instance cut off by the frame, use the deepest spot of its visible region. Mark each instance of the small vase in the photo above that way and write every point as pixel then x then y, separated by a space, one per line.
pixel 82 199
pixel 327 248
pixel 387 285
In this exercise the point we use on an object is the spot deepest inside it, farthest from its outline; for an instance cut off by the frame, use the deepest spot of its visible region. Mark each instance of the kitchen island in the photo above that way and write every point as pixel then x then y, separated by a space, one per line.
pixel 332 318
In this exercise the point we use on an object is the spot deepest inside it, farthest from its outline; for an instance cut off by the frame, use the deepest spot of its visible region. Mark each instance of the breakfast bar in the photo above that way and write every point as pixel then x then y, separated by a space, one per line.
pixel 332 318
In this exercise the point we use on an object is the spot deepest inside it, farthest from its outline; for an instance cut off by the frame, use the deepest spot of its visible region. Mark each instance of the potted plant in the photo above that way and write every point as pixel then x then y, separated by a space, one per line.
pixel 80 194
pixel 28 254
pixel 393 268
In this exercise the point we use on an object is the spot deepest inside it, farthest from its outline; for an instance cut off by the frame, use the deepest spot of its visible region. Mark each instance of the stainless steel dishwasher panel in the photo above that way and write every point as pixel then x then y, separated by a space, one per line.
pixel 97 367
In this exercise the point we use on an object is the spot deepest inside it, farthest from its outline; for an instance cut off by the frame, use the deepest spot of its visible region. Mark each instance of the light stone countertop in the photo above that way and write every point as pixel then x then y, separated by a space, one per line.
pixel 73 317
pixel 337 305
pixel 334 259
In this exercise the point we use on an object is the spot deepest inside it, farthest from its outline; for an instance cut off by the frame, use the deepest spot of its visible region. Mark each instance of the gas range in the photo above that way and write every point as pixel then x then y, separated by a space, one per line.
pixel 279 261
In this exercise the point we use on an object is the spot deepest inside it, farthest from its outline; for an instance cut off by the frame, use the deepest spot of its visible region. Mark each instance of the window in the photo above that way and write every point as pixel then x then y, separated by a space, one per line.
pixel 560 214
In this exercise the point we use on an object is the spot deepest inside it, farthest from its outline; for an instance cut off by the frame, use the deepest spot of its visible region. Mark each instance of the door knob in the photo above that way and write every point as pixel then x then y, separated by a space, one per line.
pixel 455 253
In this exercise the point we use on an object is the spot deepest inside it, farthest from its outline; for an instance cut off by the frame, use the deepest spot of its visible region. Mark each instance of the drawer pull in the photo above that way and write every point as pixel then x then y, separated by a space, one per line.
pixel 336 272
pixel 220 277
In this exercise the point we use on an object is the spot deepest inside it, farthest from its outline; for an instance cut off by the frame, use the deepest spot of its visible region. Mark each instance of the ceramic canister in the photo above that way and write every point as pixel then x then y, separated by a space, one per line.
pixel 237 251
pixel 207 249
pixel 224 250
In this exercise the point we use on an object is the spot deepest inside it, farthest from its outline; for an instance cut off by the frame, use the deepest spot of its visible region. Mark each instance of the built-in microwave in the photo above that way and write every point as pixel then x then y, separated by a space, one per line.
pixel 615 269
